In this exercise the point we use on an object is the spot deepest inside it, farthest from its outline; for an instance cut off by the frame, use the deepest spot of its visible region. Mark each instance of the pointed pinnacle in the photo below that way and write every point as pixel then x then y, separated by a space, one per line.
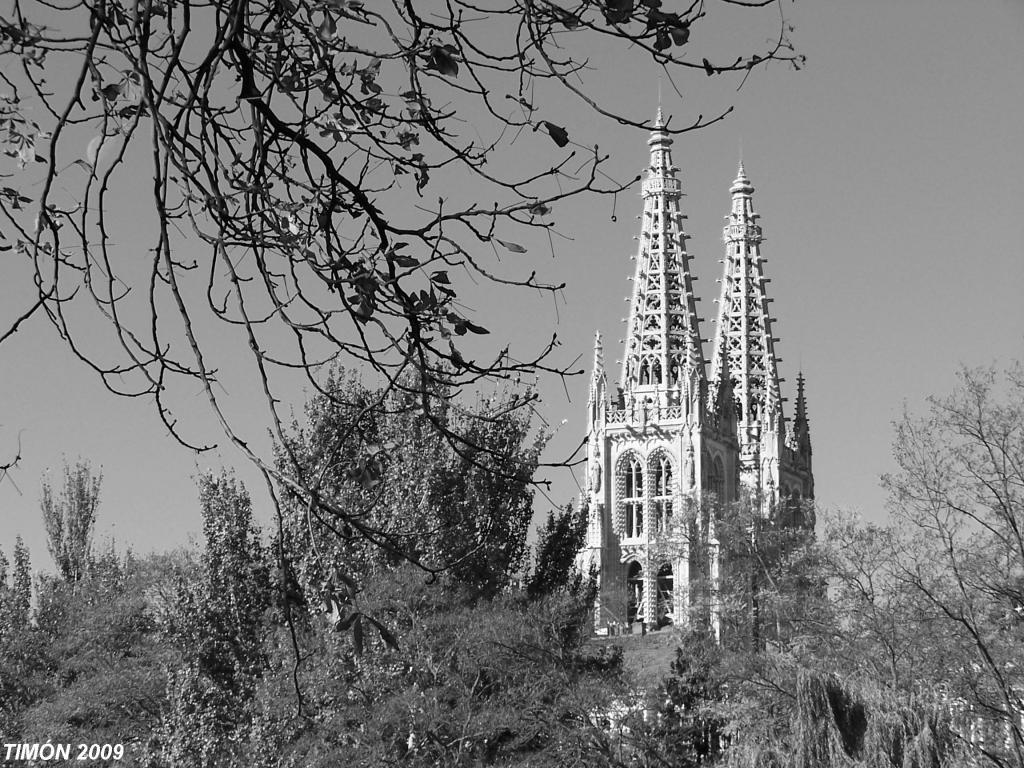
pixel 801 399
pixel 659 118
pixel 742 181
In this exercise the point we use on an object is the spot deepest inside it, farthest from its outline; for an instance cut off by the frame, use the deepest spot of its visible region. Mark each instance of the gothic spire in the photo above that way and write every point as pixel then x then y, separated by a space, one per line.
pixel 801 400
pixel 744 334
pixel 663 344
pixel 801 424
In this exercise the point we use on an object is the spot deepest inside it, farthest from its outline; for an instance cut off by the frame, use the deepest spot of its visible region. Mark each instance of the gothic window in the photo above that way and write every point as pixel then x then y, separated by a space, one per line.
pixel 633 497
pixel 634 592
pixel 661 492
pixel 665 595
pixel 650 369
pixel 718 479
pixel 714 477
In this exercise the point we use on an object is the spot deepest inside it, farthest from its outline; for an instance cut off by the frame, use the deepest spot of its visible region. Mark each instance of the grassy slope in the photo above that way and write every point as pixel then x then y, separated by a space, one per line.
pixel 647 657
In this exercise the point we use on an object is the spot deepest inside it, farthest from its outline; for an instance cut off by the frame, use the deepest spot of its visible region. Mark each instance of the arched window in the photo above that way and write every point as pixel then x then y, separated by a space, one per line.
pixel 634 592
pixel 661 491
pixel 633 497
pixel 718 479
pixel 665 595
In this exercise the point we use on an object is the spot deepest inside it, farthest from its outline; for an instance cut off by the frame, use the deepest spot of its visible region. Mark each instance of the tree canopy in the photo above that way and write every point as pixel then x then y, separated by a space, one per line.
pixel 406 494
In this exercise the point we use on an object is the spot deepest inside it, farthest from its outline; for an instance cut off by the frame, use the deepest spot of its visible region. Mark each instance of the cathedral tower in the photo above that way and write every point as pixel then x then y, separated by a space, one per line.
pixel 670 445
pixel 744 353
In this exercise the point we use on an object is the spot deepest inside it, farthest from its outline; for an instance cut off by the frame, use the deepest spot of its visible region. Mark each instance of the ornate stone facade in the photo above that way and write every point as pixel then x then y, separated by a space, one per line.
pixel 670 439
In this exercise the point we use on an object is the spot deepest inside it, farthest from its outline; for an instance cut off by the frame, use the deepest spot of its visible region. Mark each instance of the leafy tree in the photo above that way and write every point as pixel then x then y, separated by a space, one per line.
pixel 462 508
pixel 220 622
pixel 770 577
pixel 4 589
pixel 18 678
pixel 21 585
pixel 70 516
pixel 558 544
pixel 315 163
pixel 16 598
pixel 218 625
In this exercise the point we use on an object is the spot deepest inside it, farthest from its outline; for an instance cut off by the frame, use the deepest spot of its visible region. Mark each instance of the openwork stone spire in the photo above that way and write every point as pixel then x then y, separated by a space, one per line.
pixel 744 333
pixel 663 351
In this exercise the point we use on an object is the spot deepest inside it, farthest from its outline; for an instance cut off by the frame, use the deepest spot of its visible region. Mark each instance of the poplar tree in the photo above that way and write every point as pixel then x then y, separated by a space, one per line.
pixel 219 627
pixel 69 515
pixel 21 586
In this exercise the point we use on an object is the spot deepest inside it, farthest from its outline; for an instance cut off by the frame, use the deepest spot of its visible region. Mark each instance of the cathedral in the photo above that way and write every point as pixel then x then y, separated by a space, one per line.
pixel 676 446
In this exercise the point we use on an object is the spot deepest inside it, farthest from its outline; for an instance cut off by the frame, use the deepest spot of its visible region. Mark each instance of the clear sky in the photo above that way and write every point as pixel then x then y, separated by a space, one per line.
pixel 890 180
